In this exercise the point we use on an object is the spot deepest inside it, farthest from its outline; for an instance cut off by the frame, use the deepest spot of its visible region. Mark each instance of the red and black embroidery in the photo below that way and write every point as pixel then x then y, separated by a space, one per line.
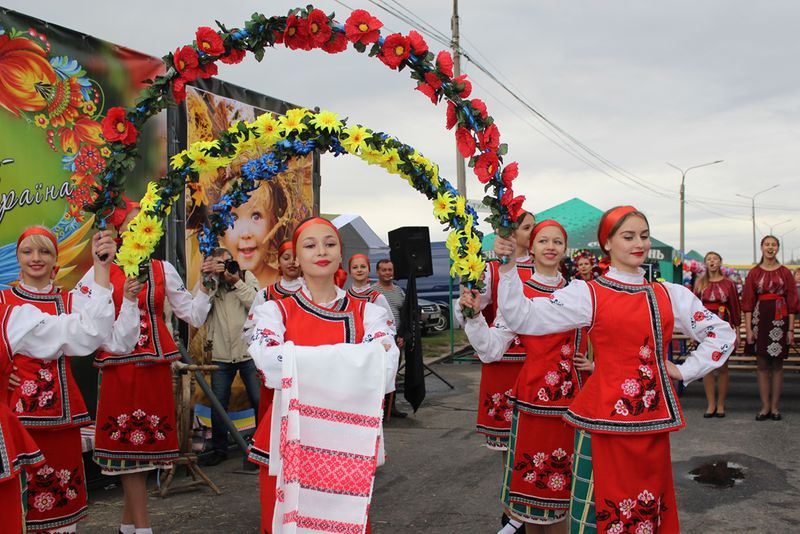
pixel 547 471
pixel 498 405
pixel 138 428
pixel 641 515
pixel 642 393
pixel 558 382
pixel 38 393
pixel 52 488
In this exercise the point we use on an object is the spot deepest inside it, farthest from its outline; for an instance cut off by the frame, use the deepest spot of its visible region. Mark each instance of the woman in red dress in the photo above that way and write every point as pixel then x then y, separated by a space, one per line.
pixel 537 479
pixel 47 401
pixel 718 294
pixel 625 411
pixel 358 268
pixel 770 302
pixel 320 313
pixel 41 336
pixel 136 429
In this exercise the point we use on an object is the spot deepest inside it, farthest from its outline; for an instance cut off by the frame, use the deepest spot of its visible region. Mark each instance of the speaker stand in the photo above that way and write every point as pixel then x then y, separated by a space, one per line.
pixel 428 372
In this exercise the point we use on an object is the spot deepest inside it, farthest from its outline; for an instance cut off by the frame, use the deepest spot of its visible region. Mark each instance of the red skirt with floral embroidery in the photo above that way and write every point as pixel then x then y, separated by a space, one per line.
pixel 633 486
pixel 57 490
pixel 541 468
pixel 494 403
pixel 135 416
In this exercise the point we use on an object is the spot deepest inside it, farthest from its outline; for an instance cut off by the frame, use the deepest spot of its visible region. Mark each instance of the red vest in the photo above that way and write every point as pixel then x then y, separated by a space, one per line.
pixel 308 324
pixel 367 296
pixel 630 391
pixel 277 292
pixel 548 382
pixel 155 342
pixel 48 395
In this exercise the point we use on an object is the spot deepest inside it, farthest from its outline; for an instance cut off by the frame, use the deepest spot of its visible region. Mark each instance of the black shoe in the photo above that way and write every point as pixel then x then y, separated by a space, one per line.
pixel 763 416
pixel 215 458
pixel 776 416
pixel 719 414
pixel 709 415
pixel 397 413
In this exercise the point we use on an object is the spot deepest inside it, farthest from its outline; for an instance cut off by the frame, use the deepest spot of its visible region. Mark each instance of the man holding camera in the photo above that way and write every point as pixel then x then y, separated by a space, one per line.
pixel 230 300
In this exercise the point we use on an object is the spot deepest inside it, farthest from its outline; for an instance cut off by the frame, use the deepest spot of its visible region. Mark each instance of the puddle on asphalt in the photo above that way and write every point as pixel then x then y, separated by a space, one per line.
pixel 718 474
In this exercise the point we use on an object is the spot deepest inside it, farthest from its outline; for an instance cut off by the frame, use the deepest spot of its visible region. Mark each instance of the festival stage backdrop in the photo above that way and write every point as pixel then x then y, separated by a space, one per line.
pixel 266 220
pixel 55 87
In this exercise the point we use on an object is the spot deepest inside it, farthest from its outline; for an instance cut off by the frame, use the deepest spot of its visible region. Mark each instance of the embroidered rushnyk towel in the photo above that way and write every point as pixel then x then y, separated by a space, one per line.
pixel 326 427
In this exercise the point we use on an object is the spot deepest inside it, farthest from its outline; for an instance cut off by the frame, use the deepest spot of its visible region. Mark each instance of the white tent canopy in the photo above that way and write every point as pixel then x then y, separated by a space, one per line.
pixel 358 238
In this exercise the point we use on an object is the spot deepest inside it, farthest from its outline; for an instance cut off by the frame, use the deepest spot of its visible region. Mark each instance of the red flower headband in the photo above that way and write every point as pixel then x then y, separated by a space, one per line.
pixel 311 222
pixel 358 257
pixel 286 245
pixel 544 224
pixel 38 230
pixel 610 221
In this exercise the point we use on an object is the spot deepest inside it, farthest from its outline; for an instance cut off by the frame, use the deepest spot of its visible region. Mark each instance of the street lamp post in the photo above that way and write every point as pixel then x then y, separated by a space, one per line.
pixel 683 194
pixel 753 212
pixel 772 226
pixel 781 242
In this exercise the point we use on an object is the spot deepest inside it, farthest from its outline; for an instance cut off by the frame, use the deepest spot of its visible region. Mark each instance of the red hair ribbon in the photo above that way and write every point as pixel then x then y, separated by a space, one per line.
pixel 117 217
pixel 358 257
pixel 610 221
pixel 311 222
pixel 286 245
pixel 38 230
pixel 542 225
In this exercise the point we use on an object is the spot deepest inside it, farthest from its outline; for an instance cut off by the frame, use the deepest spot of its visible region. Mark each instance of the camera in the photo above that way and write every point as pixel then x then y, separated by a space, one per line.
pixel 231 266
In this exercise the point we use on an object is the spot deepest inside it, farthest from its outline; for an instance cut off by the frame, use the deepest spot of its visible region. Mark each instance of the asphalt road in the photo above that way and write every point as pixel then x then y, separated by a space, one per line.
pixel 439 479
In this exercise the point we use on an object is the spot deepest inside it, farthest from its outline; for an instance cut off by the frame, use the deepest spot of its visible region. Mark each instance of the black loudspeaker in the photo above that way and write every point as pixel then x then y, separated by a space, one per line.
pixel 410 251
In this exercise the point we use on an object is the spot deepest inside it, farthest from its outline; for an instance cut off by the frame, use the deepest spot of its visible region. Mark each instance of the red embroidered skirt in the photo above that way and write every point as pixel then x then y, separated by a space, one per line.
pixel 57 490
pixel 135 417
pixel 11 508
pixel 494 403
pixel 539 469
pixel 633 483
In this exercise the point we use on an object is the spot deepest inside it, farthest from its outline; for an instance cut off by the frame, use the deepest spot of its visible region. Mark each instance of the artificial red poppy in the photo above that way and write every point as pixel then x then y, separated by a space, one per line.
pixel 117 127
pixel 295 37
pixel 395 50
pixel 208 70
pixel 234 56
pixel 463 86
pixel 513 204
pixel 444 63
pixel 479 106
pixel 427 90
pixel 486 166
pixel 433 80
pixel 361 27
pixel 452 119
pixel 418 45
pixel 319 29
pixel 465 142
pixel 510 172
pixel 179 90
pixel 489 138
pixel 336 44
pixel 209 42
pixel 186 62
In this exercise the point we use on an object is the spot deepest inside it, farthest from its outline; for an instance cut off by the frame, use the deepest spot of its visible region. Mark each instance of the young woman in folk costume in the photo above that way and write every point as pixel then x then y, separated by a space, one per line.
pixel 770 302
pixel 27 330
pixel 536 483
pixel 718 294
pixel 622 472
pixel 136 428
pixel 289 282
pixel 320 313
pixel 585 265
pixel 47 400
pixel 358 267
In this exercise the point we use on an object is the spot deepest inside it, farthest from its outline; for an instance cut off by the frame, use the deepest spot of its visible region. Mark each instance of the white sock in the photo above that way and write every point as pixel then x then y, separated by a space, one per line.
pixel 127 529
pixel 511 527
pixel 143 531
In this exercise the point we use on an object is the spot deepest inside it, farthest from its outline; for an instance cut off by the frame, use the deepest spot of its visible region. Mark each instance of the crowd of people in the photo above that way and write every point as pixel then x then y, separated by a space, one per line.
pixel 576 381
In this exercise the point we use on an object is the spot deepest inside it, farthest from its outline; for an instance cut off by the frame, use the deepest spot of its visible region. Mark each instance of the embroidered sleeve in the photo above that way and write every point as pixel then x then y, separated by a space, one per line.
pixel 247 329
pixel 716 338
pixel 792 299
pixel 378 326
pixel 381 301
pixel 490 343
pixel 266 342
pixel 749 292
pixel 39 335
pixel 191 309
pixel 566 309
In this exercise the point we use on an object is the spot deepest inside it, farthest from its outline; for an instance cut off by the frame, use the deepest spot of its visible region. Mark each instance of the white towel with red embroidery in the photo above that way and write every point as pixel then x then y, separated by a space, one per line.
pixel 326 432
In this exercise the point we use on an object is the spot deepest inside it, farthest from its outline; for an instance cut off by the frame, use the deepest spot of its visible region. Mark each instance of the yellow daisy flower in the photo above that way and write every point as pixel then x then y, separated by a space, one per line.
pixel 150 198
pixel 176 161
pixel 268 128
pixel 443 206
pixel 128 261
pixel 355 138
pixel 328 121
pixel 149 230
pixel 472 267
pixel 389 160
pixel 292 121
pixel 461 205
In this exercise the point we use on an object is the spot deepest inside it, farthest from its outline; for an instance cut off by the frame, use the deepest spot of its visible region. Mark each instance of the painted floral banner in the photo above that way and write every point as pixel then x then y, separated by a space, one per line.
pixel 55 88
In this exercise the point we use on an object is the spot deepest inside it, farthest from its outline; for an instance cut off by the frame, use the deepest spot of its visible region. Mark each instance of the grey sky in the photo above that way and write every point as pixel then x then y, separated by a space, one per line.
pixel 641 83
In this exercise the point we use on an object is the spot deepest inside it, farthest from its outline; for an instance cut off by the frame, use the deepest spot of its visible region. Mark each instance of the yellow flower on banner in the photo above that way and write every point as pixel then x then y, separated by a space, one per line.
pixel 268 127
pixel 356 136
pixel 443 206
pixel 292 121
pixel 328 121
pixel 128 261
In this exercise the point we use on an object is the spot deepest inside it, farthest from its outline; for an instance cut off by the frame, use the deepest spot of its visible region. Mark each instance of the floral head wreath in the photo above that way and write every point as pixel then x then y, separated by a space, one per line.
pixel 584 253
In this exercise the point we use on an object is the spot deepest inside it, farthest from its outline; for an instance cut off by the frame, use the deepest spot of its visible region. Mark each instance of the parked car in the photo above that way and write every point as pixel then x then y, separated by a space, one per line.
pixel 435 317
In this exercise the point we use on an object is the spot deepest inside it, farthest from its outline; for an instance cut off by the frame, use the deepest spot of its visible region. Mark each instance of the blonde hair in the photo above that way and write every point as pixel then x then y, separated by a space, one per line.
pixel 701 283
pixel 38 240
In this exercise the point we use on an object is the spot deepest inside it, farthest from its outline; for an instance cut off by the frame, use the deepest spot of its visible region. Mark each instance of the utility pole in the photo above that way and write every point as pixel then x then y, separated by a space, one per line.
pixel 683 195
pixel 461 180
pixel 752 199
